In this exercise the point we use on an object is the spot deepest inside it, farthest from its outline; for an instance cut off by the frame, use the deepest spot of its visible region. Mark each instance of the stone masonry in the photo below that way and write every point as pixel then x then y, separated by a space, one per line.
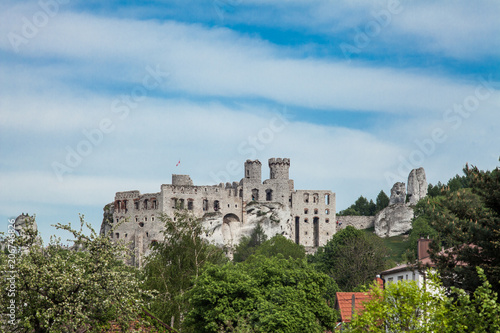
pixel 228 211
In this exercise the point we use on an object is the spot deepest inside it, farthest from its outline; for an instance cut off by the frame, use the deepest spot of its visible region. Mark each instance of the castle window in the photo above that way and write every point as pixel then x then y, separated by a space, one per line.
pixel 306 221
pixel 174 203
pixel 190 204
pixel 152 218
pixel 136 204
pixel 147 234
pixel 228 206
pixel 117 205
pixel 136 219
pixel 235 205
pixel 327 199
pixel 117 235
pixel 306 211
pixel 248 173
pixel 141 224
pixel 327 211
pixel 124 202
pixel 216 205
pixel 306 197
pixel 315 211
pixel 241 193
pixel 327 221
pixel 316 231
pixel 126 235
pixel 205 205
pixel 297 230
pixel 146 204
pixel 181 204
pixel 145 218
pixel 315 198
pixel 255 194
pixel 269 195
pixel 154 204
pixel 117 220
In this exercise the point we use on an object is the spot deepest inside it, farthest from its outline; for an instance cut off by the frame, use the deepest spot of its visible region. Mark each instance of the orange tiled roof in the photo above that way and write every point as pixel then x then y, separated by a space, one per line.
pixel 344 303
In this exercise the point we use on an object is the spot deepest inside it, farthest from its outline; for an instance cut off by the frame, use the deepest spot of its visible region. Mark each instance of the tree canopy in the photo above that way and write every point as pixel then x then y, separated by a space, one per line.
pixel 261 295
pixel 352 258
pixel 467 223
pixel 363 207
pixel 175 263
pixel 55 289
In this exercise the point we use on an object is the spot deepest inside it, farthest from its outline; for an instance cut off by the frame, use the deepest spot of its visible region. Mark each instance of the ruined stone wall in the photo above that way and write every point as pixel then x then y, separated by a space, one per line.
pixel 358 222
pixel 313 215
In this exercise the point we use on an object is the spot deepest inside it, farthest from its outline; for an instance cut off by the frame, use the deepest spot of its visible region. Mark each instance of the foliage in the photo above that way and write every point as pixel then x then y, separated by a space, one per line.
pixel 363 207
pixel 351 257
pixel 404 307
pixel 382 201
pixel 248 245
pixel 261 295
pixel 175 262
pixel 279 244
pixel 57 289
pixel 468 224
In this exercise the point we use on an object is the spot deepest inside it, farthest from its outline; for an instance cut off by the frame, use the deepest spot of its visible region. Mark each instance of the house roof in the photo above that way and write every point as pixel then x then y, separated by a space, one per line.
pixel 344 302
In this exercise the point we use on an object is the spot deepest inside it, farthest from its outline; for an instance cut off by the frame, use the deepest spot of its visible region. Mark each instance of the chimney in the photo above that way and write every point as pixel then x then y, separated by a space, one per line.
pixel 423 248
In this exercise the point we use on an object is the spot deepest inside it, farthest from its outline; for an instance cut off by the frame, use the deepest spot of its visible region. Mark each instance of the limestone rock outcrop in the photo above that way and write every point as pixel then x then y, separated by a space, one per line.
pixel 417 186
pixel 398 193
pixel 393 220
pixel 396 218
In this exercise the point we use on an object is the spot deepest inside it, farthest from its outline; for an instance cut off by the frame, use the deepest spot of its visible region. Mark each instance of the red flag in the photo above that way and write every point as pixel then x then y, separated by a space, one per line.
pixel 178 163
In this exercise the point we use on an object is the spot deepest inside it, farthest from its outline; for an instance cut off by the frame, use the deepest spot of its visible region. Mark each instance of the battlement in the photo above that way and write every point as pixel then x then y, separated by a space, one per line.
pixel 281 161
pixel 253 162
pixel 279 168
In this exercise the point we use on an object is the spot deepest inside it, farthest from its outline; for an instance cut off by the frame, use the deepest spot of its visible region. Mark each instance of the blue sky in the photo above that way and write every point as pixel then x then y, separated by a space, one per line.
pixel 99 97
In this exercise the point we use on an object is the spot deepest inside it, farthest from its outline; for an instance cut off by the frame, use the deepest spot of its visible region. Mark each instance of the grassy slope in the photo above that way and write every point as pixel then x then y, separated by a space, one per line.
pixel 397 245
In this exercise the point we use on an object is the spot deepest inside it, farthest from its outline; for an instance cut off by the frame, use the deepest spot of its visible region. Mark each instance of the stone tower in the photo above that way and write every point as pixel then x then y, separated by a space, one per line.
pixel 253 170
pixel 279 168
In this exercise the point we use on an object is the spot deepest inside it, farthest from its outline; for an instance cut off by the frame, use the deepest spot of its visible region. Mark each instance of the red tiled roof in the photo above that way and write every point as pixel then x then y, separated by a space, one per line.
pixel 344 302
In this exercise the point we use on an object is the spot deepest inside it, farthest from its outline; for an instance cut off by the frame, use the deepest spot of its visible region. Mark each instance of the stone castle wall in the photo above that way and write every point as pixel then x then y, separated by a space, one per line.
pixel 358 222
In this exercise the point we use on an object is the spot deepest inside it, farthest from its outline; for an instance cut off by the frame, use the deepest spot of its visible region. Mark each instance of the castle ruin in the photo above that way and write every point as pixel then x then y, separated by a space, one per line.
pixel 228 211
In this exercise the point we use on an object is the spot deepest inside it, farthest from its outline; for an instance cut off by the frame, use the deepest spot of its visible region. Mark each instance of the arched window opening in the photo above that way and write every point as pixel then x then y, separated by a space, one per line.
pixel 315 211
pixel 154 203
pixel 190 204
pixel 327 211
pixel 269 195
pixel 136 204
pixel 315 198
pixel 306 211
pixel 327 199
pixel 241 193
pixel 205 205
pixel 306 197
pixel 255 194
pixel 216 205
pixel 146 202
pixel 181 204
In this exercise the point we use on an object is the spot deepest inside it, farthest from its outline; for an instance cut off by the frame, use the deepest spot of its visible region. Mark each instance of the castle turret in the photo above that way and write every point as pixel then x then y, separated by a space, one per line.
pixel 253 170
pixel 279 168
pixel 182 180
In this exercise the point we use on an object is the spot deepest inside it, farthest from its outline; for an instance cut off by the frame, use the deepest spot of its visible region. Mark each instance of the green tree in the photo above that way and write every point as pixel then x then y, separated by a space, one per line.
pixel 280 245
pixel 405 307
pixel 56 289
pixel 352 258
pixel 248 245
pixel 382 201
pixel 262 294
pixel 175 262
pixel 468 223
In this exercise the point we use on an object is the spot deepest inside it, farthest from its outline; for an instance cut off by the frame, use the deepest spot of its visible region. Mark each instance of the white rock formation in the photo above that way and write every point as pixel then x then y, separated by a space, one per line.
pixel 396 218
pixel 417 185
pixel 398 193
pixel 393 220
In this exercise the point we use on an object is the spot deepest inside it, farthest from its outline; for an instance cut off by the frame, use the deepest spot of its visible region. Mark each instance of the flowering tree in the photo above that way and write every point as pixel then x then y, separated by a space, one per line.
pixel 58 289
